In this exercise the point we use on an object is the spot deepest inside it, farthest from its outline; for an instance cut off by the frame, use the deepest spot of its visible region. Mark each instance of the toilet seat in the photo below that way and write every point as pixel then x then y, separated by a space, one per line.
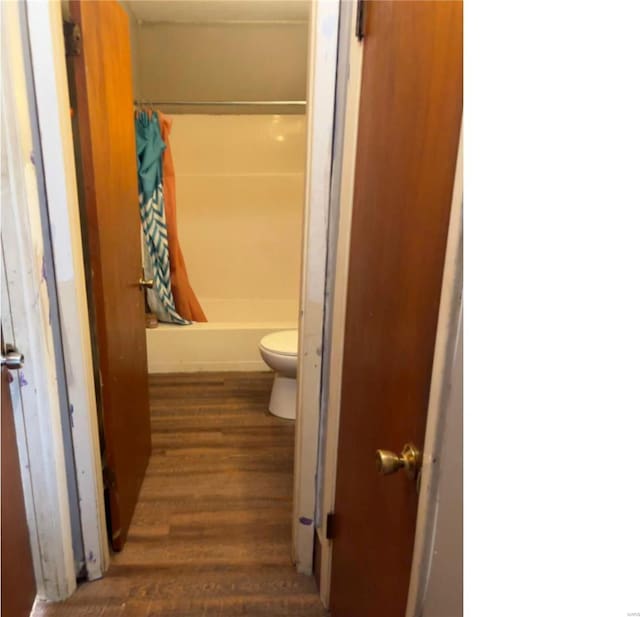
pixel 284 343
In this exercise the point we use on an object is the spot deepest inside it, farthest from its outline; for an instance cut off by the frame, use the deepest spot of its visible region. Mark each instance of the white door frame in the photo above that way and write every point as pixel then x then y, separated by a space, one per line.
pixel 47 52
pixel 350 76
pixel 444 380
pixel 52 96
pixel 321 79
pixel 26 323
pixel 45 43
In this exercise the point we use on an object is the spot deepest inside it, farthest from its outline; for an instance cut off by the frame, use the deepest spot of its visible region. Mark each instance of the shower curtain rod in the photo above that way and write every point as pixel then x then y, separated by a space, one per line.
pixel 220 103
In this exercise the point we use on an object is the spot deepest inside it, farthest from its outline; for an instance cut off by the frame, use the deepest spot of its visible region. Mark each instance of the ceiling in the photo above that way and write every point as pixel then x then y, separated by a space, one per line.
pixel 207 11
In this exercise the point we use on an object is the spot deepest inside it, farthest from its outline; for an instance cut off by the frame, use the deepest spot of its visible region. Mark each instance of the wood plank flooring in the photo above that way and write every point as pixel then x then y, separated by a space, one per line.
pixel 211 534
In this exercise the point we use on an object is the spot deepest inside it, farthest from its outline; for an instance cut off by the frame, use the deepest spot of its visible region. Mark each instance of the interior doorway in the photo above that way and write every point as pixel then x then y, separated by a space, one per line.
pixel 99 87
pixel 135 284
pixel 238 171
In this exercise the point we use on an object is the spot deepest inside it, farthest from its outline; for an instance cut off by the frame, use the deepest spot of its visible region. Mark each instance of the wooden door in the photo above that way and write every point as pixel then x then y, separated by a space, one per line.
pixel 409 127
pixel 103 93
pixel 18 583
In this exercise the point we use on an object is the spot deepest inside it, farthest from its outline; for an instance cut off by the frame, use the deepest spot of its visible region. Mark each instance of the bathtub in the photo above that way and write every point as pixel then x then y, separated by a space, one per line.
pixel 228 342
pixel 240 202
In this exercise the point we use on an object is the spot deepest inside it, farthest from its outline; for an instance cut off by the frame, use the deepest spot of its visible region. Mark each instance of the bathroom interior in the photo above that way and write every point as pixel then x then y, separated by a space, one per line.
pixel 231 77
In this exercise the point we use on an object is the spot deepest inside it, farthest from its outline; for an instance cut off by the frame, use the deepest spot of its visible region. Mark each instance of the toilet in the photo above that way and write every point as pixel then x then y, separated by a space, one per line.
pixel 280 351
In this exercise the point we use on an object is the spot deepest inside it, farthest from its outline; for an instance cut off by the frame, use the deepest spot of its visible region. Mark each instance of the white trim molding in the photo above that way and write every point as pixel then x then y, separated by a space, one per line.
pixel 26 319
pixel 351 72
pixel 323 48
pixel 52 95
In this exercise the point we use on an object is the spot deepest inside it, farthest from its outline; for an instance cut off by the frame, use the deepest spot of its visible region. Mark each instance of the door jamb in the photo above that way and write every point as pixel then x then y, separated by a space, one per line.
pixel 48 50
pixel 446 347
pixel 352 75
pixel 52 96
pixel 34 389
pixel 321 79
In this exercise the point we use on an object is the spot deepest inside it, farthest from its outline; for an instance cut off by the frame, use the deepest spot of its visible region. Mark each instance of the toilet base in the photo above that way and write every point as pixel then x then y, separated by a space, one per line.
pixel 283 397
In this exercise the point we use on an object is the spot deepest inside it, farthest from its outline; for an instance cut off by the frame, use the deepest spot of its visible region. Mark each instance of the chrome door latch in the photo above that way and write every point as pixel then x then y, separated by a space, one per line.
pixel 11 357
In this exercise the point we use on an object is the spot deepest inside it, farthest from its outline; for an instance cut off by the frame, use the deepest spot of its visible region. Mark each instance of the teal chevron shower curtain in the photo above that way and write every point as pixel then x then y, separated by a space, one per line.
pixel 149 148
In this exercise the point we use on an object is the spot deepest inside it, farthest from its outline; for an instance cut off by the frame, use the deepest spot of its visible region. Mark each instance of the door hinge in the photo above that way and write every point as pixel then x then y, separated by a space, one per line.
pixel 360 20
pixel 108 478
pixel 72 39
pixel 330 526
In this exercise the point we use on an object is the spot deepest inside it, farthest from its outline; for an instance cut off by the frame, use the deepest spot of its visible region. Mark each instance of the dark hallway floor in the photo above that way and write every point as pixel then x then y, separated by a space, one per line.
pixel 211 534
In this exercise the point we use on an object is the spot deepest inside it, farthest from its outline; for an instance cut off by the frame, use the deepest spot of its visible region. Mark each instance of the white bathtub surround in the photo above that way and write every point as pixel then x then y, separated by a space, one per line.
pixel 240 196
pixel 280 351
pixel 240 201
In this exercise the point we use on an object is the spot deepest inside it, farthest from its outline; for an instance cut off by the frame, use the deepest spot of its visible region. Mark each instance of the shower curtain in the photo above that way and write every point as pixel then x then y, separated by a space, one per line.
pixel 149 148
pixel 185 298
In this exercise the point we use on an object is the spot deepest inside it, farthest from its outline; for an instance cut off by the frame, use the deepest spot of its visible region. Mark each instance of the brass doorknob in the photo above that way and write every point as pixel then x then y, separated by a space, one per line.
pixel 145 283
pixel 410 460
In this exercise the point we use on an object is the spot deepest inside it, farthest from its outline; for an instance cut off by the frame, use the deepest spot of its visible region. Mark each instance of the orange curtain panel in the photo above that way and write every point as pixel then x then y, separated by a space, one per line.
pixel 184 297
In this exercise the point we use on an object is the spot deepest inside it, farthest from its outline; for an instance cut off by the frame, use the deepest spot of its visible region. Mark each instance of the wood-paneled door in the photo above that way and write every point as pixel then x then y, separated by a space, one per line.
pixel 102 94
pixel 18 582
pixel 409 128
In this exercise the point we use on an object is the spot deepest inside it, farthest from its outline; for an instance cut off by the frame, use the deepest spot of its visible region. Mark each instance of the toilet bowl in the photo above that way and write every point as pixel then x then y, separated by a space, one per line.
pixel 279 350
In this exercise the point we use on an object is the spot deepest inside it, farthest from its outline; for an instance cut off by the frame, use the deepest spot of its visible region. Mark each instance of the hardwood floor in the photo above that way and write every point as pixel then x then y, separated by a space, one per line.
pixel 211 533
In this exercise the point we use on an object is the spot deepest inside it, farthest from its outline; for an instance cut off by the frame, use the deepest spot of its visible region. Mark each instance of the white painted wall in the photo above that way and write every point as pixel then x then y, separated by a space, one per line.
pixel 134 29
pixel 203 51
pixel 219 11
pixel 247 60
